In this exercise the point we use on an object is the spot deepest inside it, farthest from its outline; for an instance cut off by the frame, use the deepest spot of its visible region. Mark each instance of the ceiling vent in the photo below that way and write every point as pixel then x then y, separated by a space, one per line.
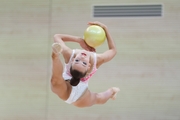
pixel 127 10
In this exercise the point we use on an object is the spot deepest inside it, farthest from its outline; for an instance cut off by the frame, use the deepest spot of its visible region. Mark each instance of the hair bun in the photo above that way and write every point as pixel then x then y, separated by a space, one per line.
pixel 74 81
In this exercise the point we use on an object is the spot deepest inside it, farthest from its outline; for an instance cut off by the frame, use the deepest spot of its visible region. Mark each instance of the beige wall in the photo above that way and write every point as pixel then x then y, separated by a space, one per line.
pixel 146 67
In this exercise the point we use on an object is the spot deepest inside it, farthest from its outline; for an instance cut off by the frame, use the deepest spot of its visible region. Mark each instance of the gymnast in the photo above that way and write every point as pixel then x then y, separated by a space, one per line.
pixel 70 82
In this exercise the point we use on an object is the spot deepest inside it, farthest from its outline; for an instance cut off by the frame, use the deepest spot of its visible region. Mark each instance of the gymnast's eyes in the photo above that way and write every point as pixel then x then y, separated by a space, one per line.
pixel 84 63
pixel 77 60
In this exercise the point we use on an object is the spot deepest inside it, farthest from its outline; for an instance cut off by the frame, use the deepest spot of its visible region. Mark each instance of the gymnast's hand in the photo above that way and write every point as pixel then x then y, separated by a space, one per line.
pixel 85 46
pixel 97 23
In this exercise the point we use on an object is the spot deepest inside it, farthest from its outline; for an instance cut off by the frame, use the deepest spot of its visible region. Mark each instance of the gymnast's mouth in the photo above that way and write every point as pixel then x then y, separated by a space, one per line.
pixel 83 54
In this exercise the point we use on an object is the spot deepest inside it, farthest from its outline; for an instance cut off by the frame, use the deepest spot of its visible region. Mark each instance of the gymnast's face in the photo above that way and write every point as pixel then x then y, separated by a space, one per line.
pixel 81 61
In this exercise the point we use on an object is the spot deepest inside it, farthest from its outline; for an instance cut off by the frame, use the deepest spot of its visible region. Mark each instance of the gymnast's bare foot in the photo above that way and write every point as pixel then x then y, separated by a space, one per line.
pixel 115 91
pixel 57 49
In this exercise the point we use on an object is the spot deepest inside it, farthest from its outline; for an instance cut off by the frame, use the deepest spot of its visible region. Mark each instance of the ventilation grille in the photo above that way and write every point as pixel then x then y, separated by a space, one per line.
pixel 127 11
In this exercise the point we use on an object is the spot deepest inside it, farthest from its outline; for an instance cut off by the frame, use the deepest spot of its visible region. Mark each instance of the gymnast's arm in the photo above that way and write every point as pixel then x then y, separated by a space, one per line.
pixel 61 39
pixel 71 38
pixel 67 38
pixel 109 54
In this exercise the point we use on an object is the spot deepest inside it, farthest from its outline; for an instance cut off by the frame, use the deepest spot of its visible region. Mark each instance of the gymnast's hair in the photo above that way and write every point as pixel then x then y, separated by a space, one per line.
pixel 76 76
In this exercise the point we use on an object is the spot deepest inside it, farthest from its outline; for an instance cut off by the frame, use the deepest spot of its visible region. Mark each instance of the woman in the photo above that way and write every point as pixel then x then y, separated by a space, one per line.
pixel 71 83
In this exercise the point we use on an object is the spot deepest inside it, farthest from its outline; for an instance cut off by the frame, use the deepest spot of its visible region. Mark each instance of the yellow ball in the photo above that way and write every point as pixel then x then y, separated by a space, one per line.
pixel 94 36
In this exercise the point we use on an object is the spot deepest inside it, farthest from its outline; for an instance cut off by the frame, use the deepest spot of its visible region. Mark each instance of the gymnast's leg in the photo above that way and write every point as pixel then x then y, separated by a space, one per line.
pixel 90 98
pixel 58 85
